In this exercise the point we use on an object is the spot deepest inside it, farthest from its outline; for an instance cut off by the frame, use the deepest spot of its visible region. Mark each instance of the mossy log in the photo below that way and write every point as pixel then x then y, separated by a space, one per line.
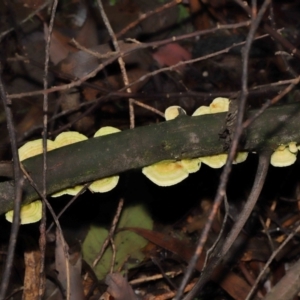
pixel 184 137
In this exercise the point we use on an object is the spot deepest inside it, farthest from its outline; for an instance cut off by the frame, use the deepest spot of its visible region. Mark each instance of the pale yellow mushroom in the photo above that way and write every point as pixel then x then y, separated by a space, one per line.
pixel 166 173
pixel 216 161
pixel 202 110
pixel 72 191
pixel 105 184
pixel 191 165
pixel 69 137
pixel 219 105
pixel 170 172
pixel 106 130
pixel 32 212
pixel 34 148
pixel 29 213
pixel 64 139
pixel 283 157
pixel 240 157
pixel 293 147
pixel 173 112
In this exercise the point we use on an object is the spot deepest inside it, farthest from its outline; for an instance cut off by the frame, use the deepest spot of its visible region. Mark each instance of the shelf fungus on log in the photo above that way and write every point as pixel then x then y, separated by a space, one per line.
pixel 34 148
pixel 29 213
pixel 166 173
pixel 218 105
pixel 105 184
pixel 171 172
pixel 64 139
pixel 284 155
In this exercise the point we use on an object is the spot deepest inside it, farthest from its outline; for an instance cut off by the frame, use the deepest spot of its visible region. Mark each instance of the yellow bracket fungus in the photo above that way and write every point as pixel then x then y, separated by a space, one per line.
pixel 72 191
pixel 202 110
pixel 217 106
pixel 293 147
pixel 173 112
pixel 34 148
pixel 106 130
pixel 216 161
pixel 29 213
pixel 283 157
pixel 191 165
pixel 240 157
pixel 166 173
pixel 64 139
pixel 68 138
pixel 170 172
pixel 32 212
pixel 105 184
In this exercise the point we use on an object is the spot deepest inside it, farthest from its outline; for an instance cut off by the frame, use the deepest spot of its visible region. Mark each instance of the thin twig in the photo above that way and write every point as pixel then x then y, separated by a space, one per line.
pixel 111 232
pixel 18 180
pixel 40 193
pixel 273 33
pixel 212 248
pixel 42 227
pixel 120 60
pixel 267 264
pixel 113 258
pixel 261 173
pixel 84 188
pixel 28 18
pixel 146 15
pixel 148 107
pixel 232 151
pixel 100 67
pixel 294 82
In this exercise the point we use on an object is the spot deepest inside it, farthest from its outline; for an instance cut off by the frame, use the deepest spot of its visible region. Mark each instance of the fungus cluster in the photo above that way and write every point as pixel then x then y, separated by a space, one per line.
pixel 167 173
pixel 284 155
pixel 164 173
pixel 33 212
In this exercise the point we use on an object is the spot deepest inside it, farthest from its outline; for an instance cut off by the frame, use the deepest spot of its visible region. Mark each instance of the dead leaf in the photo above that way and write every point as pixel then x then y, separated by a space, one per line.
pixel 68 271
pixel 234 285
pixel 119 288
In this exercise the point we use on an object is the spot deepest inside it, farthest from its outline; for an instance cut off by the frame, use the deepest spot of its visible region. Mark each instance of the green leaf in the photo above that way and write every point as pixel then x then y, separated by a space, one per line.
pixel 128 244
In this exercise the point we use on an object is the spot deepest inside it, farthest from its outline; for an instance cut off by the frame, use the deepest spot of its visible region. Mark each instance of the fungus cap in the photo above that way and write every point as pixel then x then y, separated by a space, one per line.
pixel 166 173
pixel 282 157
pixel 173 112
pixel 72 191
pixel 34 148
pixel 191 165
pixel 69 137
pixel 219 105
pixel 106 130
pixel 64 139
pixel 216 161
pixel 293 147
pixel 240 157
pixel 202 110
pixel 104 185
pixel 29 213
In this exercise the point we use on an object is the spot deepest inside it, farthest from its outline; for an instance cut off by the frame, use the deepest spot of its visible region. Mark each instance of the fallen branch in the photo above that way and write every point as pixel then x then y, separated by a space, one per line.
pixel 184 137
